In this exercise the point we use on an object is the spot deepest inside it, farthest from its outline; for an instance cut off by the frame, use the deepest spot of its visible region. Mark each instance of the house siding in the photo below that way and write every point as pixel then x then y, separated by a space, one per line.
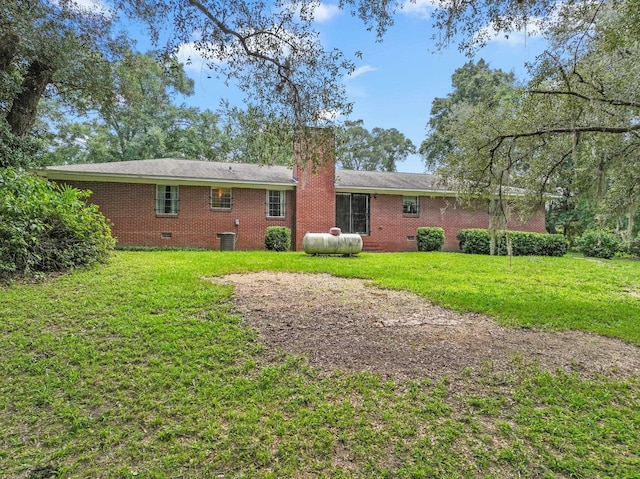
pixel 131 210
pixel 391 230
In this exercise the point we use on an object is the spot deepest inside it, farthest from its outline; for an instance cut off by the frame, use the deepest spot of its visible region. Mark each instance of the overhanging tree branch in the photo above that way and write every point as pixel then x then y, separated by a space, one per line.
pixel 613 102
pixel 283 67
pixel 576 129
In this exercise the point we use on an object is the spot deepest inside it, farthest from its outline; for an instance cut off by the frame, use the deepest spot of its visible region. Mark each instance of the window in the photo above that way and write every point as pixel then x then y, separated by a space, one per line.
pixel 221 198
pixel 352 212
pixel 166 200
pixel 410 205
pixel 275 203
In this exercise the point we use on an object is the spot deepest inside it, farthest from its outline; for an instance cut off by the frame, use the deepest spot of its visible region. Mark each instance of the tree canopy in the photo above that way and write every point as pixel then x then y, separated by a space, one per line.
pixel 377 150
pixel 573 129
pixel 49 49
pixel 273 52
pixel 474 83
pixel 144 122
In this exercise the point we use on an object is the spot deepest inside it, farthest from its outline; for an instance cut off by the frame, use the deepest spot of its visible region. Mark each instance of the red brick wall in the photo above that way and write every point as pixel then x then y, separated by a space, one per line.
pixel 315 208
pixel 390 228
pixel 131 210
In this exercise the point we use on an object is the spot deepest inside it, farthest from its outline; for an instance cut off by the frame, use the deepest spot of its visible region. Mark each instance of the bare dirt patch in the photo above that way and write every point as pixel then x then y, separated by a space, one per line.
pixel 351 325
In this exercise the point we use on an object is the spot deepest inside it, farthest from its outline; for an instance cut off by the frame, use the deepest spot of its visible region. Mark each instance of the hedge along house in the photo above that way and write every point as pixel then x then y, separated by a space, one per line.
pixel 186 203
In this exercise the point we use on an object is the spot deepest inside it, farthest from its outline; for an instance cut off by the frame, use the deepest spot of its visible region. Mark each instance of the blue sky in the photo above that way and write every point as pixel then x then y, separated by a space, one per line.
pixel 396 80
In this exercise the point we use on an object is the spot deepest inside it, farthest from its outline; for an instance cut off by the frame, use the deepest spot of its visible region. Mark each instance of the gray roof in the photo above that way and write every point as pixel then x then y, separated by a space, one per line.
pixel 373 181
pixel 175 170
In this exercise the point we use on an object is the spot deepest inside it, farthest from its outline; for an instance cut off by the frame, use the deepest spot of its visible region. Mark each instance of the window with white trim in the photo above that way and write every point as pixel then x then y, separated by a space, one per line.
pixel 275 203
pixel 410 205
pixel 167 200
pixel 221 198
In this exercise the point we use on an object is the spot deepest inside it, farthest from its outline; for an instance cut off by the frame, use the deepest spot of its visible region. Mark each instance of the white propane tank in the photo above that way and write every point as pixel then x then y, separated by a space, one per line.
pixel 332 243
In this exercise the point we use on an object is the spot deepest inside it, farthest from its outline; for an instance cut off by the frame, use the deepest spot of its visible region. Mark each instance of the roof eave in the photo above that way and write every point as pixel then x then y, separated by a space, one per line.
pixel 394 191
pixel 167 180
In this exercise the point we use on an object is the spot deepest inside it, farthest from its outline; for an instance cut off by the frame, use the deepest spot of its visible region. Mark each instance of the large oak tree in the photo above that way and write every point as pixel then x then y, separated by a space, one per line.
pixel 49 49
pixel 572 130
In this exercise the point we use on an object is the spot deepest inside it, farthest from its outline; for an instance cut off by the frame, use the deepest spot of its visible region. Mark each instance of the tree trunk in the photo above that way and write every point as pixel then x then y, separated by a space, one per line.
pixel 23 111
pixel 492 227
pixel 8 48
pixel 631 214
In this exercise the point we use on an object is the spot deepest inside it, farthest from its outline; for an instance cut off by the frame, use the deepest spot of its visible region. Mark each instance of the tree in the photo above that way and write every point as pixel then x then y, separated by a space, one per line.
pixel 481 103
pixel 574 125
pixel 48 48
pixel 378 150
pixel 391 147
pixel 252 137
pixel 473 84
pixel 144 110
pixel 144 122
pixel 354 147
pixel 271 52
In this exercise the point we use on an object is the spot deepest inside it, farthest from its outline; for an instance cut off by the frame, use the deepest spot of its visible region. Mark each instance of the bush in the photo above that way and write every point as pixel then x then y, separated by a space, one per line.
pixel 474 241
pixel 523 243
pixel 278 238
pixel 430 238
pixel 599 244
pixel 46 227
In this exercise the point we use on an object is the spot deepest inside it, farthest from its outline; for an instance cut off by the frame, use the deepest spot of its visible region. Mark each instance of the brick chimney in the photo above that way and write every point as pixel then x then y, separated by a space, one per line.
pixel 315 171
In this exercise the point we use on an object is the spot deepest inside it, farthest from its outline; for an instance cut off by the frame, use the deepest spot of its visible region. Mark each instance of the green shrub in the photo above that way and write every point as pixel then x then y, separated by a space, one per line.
pixel 278 238
pixel 599 244
pixel 474 241
pixel 523 243
pixel 430 238
pixel 46 227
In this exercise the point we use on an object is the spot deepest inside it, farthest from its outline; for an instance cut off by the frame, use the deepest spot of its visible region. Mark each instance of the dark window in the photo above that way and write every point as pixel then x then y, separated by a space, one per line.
pixel 352 212
pixel 166 200
pixel 275 203
pixel 221 198
pixel 410 205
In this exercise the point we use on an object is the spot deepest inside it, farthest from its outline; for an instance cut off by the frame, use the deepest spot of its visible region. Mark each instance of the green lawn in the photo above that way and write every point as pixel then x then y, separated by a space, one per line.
pixel 141 369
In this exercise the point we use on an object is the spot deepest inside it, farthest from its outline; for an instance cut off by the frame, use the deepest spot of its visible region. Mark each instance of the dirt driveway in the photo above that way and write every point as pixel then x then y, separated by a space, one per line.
pixel 351 325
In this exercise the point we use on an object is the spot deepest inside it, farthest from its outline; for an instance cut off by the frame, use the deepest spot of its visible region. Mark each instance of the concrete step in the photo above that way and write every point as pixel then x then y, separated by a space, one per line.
pixel 372 247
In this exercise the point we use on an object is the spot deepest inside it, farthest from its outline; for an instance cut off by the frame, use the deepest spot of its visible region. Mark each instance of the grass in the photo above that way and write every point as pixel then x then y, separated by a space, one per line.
pixel 141 369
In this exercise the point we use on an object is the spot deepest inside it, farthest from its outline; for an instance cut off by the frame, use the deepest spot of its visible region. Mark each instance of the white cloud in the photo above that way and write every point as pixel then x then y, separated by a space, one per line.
pixel 325 12
pixel 420 8
pixel 191 58
pixel 89 4
pixel 328 115
pixel 319 12
pixel 85 6
pixel 530 30
pixel 361 71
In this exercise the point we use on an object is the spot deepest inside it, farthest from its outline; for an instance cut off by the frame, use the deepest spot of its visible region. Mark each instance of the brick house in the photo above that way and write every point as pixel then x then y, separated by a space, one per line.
pixel 185 203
